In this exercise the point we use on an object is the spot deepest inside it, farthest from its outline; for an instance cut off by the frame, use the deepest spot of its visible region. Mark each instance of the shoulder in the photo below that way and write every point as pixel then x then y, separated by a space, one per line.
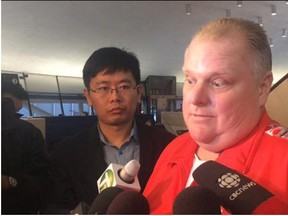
pixel 26 130
pixel 274 129
pixel 153 130
pixel 180 147
pixel 78 142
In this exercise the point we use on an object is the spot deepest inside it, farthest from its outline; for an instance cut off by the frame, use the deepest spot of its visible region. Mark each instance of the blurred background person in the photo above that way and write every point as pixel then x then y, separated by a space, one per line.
pixel 24 156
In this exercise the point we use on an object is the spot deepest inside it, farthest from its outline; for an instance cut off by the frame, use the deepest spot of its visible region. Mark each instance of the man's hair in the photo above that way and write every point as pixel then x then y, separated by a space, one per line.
pixel 253 33
pixel 110 60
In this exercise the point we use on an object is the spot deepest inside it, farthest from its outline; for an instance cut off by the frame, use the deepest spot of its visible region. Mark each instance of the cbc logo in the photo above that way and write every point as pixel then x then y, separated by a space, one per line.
pixel 229 180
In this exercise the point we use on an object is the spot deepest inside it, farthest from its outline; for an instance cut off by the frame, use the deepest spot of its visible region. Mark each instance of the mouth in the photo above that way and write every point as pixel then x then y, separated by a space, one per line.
pixel 116 110
pixel 202 116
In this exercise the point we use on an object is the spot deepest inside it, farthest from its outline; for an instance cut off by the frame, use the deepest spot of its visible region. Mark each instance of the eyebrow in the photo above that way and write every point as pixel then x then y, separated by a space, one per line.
pixel 107 82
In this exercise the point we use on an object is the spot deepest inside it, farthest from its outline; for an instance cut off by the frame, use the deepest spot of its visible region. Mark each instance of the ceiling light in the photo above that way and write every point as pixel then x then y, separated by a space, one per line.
pixel 273 10
pixel 260 21
pixel 239 3
pixel 271 42
pixel 188 9
pixel 228 13
pixel 284 33
pixel 286 2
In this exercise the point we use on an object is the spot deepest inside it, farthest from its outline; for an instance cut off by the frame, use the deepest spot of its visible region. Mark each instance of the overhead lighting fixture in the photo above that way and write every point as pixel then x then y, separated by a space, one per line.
pixel 271 42
pixel 284 33
pixel 188 9
pixel 228 13
pixel 260 21
pixel 286 2
pixel 273 10
pixel 239 3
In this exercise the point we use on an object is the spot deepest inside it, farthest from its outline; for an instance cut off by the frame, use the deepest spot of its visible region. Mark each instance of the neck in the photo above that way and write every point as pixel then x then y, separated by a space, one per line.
pixel 204 154
pixel 116 135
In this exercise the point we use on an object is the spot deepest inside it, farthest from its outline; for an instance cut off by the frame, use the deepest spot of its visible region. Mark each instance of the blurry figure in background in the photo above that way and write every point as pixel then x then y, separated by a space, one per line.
pixel 24 156
pixel 112 80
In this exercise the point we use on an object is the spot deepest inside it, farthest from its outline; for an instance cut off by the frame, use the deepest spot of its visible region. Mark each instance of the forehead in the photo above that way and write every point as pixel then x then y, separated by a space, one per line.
pixel 216 53
pixel 115 76
pixel 209 58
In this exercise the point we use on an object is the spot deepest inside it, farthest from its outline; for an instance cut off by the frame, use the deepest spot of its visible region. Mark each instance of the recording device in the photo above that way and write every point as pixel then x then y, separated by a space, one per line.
pixel 103 200
pixel 118 176
pixel 196 200
pixel 129 202
pixel 80 209
pixel 237 193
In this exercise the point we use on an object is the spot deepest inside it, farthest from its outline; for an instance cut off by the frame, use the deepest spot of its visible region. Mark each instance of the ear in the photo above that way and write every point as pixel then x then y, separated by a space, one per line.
pixel 86 93
pixel 265 86
pixel 139 93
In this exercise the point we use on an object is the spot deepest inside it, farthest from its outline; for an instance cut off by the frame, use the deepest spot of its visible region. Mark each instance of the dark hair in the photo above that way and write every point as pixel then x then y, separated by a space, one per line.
pixel 111 59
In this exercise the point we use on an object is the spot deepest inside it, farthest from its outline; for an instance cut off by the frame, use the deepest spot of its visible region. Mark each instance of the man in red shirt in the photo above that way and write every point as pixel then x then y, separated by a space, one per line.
pixel 227 69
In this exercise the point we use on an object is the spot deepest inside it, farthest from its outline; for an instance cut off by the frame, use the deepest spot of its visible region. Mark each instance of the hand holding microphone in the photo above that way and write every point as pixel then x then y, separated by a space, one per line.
pixel 118 176
pixel 237 193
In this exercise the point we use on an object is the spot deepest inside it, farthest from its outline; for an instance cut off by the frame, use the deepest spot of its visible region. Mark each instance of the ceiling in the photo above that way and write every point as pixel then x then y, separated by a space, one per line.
pixel 57 37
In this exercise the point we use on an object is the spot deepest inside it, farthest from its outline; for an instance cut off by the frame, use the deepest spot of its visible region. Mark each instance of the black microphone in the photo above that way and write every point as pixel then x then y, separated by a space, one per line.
pixel 103 200
pixel 196 200
pixel 129 202
pixel 237 193
pixel 80 209
pixel 124 177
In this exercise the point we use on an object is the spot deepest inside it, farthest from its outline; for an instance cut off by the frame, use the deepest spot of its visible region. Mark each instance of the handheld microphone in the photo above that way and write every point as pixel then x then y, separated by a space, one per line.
pixel 80 209
pixel 237 193
pixel 196 200
pixel 129 202
pixel 118 176
pixel 103 200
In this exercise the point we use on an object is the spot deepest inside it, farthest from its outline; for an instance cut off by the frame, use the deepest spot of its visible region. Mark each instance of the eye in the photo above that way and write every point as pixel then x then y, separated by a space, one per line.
pixel 190 81
pixel 103 89
pixel 218 83
pixel 124 87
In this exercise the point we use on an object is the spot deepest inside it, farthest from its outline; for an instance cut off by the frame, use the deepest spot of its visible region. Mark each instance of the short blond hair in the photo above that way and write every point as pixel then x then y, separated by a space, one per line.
pixel 254 34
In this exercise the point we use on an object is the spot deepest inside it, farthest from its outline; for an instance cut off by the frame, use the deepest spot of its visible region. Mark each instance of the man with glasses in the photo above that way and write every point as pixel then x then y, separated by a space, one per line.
pixel 112 80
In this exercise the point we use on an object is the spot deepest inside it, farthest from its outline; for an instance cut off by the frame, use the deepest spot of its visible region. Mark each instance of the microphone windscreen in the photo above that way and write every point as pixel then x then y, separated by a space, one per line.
pixel 129 202
pixel 103 200
pixel 129 171
pixel 236 192
pixel 196 200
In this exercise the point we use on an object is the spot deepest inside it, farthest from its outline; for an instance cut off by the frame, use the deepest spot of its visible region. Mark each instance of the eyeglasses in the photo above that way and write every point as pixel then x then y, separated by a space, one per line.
pixel 104 91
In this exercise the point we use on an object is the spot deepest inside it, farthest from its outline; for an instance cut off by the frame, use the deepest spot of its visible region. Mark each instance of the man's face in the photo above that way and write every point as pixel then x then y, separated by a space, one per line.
pixel 117 107
pixel 222 99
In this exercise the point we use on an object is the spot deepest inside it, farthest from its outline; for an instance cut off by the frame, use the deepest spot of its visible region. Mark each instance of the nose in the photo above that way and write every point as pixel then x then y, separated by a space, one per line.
pixel 116 90
pixel 114 95
pixel 197 95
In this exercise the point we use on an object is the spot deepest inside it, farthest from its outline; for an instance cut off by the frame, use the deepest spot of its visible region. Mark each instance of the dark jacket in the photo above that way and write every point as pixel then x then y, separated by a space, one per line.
pixel 79 161
pixel 24 156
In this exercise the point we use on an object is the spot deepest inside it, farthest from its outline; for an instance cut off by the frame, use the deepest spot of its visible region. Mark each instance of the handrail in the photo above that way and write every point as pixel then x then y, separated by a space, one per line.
pixel 279 82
